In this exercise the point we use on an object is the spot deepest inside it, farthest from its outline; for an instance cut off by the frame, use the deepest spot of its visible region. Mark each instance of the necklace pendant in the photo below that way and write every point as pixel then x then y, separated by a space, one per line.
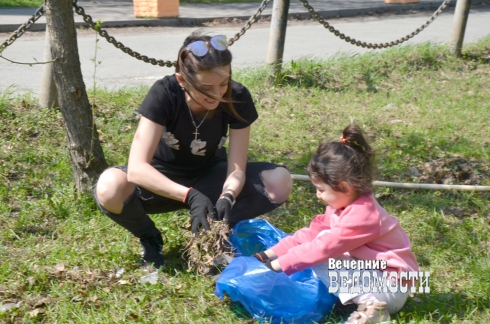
pixel 197 146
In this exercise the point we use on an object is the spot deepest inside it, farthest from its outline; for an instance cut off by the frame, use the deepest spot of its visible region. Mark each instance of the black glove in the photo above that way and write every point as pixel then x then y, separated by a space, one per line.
pixel 269 265
pixel 261 256
pixel 200 206
pixel 223 207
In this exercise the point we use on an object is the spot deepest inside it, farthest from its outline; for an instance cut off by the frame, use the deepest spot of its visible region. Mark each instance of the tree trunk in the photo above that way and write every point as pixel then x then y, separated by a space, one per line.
pixel 87 157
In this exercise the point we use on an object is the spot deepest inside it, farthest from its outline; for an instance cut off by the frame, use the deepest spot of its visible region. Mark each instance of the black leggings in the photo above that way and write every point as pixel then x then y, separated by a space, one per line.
pixel 252 201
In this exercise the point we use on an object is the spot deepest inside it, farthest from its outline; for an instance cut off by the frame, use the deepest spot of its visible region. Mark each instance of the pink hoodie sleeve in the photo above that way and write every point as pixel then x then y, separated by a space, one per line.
pixel 306 234
pixel 358 225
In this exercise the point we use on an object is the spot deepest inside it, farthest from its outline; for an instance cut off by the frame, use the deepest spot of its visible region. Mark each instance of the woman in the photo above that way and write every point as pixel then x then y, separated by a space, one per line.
pixel 177 159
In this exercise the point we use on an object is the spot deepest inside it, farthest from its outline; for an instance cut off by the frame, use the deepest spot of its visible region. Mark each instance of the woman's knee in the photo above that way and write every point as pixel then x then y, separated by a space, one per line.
pixel 278 184
pixel 113 189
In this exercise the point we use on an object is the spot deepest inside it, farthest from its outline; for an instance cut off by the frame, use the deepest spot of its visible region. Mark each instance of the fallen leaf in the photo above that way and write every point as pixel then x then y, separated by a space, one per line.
pixel 59 267
pixel 133 315
pixel 36 312
pixel 42 302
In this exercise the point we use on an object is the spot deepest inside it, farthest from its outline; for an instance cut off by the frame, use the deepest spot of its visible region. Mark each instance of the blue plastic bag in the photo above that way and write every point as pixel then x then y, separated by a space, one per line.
pixel 254 235
pixel 268 295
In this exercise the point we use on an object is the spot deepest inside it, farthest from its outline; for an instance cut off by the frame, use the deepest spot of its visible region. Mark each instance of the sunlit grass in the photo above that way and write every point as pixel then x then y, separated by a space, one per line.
pixel 20 3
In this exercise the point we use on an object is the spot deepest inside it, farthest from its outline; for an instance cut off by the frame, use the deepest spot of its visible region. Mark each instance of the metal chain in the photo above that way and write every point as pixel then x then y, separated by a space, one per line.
pixel 22 29
pixel 249 23
pixel 370 45
pixel 88 19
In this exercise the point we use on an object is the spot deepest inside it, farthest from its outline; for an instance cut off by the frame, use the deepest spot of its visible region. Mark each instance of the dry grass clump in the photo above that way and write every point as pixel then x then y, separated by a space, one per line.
pixel 454 169
pixel 208 250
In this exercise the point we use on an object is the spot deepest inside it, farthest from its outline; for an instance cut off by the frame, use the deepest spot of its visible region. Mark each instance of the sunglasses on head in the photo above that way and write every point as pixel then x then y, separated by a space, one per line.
pixel 200 48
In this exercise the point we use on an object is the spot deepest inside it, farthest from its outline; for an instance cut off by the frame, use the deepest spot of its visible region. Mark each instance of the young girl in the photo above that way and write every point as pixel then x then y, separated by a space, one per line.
pixel 354 227
pixel 177 158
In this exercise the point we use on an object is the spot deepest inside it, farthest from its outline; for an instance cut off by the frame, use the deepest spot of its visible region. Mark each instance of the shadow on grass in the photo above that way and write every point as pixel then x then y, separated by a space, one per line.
pixel 173 255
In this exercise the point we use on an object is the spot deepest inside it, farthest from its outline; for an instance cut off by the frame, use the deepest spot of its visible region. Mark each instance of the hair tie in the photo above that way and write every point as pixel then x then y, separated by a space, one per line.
pixel 344 141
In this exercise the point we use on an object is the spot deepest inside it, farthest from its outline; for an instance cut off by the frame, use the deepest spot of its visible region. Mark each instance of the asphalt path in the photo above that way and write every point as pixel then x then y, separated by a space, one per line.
pixel 303 39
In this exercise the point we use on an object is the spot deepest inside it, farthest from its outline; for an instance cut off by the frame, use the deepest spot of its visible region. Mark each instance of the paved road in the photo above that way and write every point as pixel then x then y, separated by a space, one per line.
pixel 120 13
pixel 303 39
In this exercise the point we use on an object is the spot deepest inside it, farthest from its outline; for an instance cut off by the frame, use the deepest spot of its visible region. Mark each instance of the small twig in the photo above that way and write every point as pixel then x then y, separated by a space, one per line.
pixel 17 236
pixel 22 63
pixel 103 227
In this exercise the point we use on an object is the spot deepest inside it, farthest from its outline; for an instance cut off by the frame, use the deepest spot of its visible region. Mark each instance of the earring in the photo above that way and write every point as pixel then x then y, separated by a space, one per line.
pixel 183 88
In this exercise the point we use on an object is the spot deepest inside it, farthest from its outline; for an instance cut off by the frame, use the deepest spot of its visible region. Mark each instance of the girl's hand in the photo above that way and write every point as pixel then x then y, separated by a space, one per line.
pixel 261 256
pixel 274 265
pixel 269 259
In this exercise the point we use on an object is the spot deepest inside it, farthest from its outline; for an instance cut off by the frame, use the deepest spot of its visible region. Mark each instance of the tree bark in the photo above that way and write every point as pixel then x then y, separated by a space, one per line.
pixel 87 157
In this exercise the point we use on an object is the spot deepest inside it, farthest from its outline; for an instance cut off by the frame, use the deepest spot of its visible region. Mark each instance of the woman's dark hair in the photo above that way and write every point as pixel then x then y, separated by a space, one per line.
pixel 189 66
pixel 350 160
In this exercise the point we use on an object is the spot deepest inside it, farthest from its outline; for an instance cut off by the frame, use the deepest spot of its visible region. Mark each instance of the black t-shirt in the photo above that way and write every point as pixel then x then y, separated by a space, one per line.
pixel 165 104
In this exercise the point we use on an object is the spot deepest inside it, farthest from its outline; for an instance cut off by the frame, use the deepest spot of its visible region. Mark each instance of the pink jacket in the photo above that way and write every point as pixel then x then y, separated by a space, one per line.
pixel 363 230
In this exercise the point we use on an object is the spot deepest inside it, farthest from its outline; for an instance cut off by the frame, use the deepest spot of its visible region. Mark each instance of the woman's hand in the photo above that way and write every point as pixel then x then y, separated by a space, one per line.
pixel 235 179
pixel 223 207
pixel 200 206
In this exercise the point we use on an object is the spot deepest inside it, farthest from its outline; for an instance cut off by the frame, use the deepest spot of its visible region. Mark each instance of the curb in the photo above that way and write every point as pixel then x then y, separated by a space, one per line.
pixel 186 22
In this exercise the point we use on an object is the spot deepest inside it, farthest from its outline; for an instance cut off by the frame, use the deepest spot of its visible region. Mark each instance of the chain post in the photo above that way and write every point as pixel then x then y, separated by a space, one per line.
pixel 48 95
pixel 277 36
pixel 459 25
pixel 88 19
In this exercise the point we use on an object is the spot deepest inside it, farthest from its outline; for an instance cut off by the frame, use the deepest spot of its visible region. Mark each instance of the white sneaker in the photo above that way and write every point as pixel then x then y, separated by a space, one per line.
pixel 370 313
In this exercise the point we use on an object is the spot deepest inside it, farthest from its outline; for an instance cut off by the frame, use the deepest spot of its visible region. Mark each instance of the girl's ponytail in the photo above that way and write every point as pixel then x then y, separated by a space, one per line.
pixel 353 137
pixel 349 160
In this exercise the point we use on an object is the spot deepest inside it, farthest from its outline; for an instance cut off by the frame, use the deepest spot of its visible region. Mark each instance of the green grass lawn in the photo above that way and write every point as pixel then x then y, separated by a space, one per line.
pixel 20 3
pixel 425 112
